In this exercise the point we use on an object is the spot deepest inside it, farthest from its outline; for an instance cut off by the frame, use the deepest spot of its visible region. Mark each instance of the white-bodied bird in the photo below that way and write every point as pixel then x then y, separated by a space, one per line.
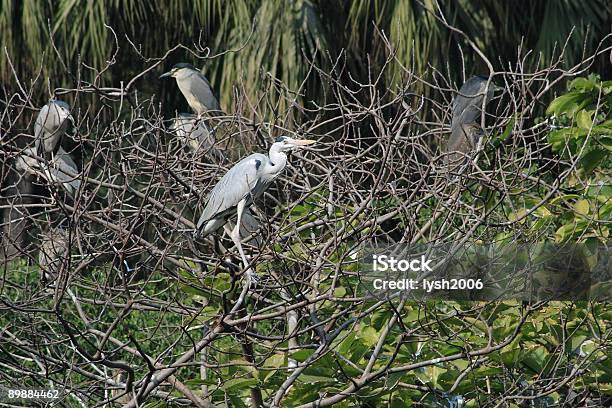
pixel 242 185
pixel 51 124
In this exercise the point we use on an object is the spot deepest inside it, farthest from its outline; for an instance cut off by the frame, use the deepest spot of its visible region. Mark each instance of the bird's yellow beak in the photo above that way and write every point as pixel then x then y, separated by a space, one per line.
pixel 304 142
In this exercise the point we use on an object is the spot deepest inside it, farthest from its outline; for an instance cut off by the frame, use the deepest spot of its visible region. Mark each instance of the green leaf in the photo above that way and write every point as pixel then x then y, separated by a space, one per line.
pixel 369 336
pixel 275 361
pixel 239 383
pixel 606 142
pixel 193 291
pixel 563 198
pixel 534 359
pixel 339 291
pixel 567 104
pixel 592 159
pixel 605 210
pixel 236 401
pixel 583 84
pixel 564 232
pixel 306 378
pixel 583 119
pixel 511 357
pixel 301 355
pixel 542 211
pixel 196 382
pixel 582 207
pixel 345 345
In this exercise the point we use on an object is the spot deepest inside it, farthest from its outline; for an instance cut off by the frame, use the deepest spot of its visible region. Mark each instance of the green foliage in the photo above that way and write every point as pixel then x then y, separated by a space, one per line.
pixel 586 123
pixel 282 38
pixel 583 137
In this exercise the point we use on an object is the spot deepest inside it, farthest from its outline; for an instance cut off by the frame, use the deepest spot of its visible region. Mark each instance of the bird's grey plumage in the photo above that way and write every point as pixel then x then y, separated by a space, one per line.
pixel 65 171
pixel 196 88
pixel 52 253
pixel 464 138
pixel 61 169
pixel 467 105
pixel 245 182
pixel 195 133
pixel 467 110
pixel 51 124
pixel 237 190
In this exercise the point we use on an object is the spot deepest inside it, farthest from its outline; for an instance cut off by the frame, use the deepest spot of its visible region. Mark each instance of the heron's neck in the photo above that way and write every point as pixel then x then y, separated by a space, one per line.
pixel 278 160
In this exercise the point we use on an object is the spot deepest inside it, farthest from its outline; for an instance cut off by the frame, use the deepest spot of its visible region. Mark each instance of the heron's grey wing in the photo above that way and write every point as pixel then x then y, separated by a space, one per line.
pixel 195 137
pixel 64 170
pixel 248 227
pixel 467 106
pixel 181 127
pixel 65 159
pixel 70 183
pixel 463 138
pixel 204 135
pixel 236 184
pixel 203 89
pixel 215 98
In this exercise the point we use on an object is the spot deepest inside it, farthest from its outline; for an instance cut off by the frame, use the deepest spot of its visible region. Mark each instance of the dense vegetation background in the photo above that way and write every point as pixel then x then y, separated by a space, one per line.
pixel 140 300
pixel 283 37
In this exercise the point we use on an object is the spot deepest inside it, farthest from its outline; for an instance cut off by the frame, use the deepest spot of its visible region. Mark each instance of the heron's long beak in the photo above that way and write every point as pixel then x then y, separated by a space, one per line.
pixel 304 142
pixel 167 74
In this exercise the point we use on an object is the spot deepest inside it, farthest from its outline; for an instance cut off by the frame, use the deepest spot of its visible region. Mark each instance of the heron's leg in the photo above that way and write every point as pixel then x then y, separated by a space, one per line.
pixel 236 238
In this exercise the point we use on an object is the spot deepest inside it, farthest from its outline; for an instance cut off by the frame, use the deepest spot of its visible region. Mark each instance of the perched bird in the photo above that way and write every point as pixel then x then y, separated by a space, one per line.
pixel 196 135
pixel 195 88
pixel 61 169
pixel 47 158
pixel 467 108
pixel 51 124
pixel 241 185
pixel 53 252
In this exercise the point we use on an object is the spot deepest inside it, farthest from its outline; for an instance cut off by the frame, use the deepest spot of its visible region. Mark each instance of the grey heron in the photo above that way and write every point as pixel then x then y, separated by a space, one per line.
pixel 51 124
pixel 241 185
pixel 467 108
pixel 195 87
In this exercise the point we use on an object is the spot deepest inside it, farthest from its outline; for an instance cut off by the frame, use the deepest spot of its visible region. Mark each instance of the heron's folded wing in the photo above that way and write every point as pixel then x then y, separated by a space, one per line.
pixel 201 87
pixel 235 185
pixel 64 170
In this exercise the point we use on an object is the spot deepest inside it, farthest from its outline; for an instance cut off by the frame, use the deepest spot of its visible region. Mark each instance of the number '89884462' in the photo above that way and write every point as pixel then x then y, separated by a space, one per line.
pixel 29 393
